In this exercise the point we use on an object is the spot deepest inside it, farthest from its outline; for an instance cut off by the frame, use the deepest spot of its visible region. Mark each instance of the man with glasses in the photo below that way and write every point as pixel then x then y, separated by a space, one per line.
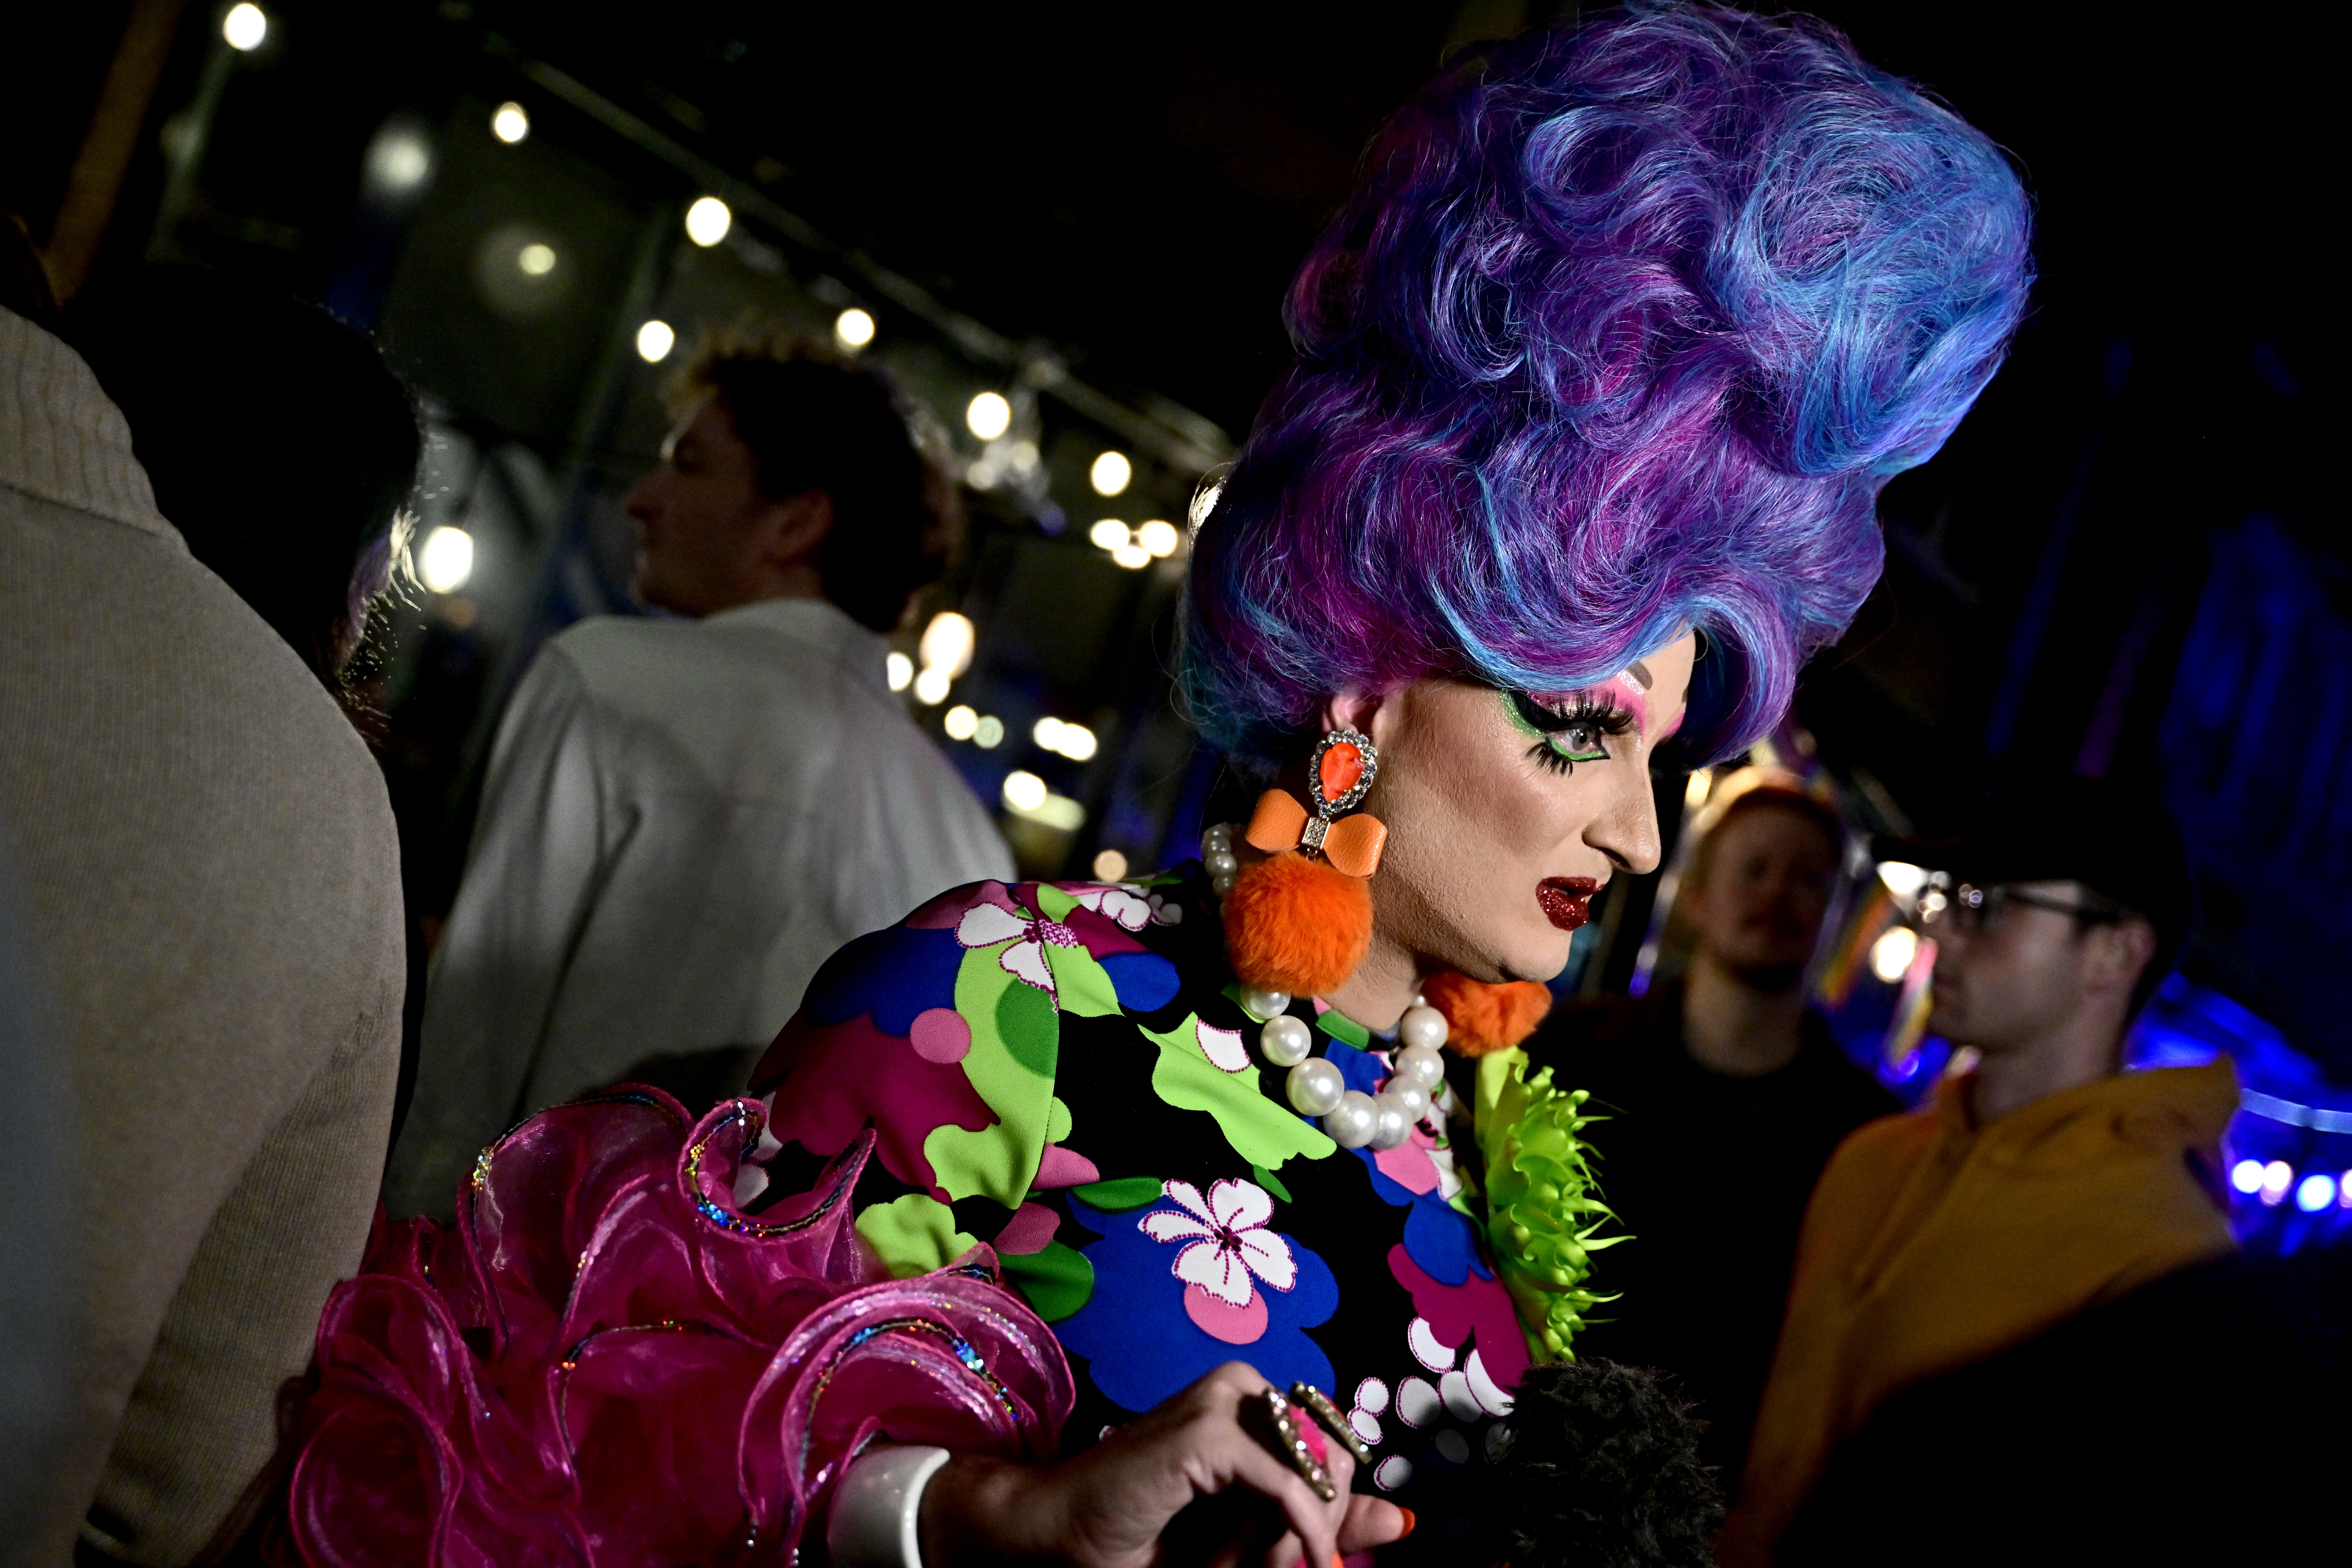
pixel 2041 1180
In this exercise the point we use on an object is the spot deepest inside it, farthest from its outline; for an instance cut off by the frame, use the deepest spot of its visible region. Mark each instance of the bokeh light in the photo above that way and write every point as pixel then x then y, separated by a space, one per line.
pixel 654 340
pixel 947 644
pixel 1110 474
pixel 2314 1193
pixel 853 329
pixel 989 733
pixel 1110 866
pixel 536 259
pixel 1159 537
pixel 244 28
pixel 1023 791
pixel 931 687
pixel 961 723
pixel 2246 1175
pixel 1134 557
pixel 447 560
pixel 1110 534
pixel 510 123
pixel 707 221
pixel 987 416
pixel 2277 1176
pixel 899 669
pixel 1891 954
pixel 1902 878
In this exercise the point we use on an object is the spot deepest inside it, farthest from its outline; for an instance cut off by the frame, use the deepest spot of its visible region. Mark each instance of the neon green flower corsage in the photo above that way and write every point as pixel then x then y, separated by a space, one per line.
pixel 1543 1211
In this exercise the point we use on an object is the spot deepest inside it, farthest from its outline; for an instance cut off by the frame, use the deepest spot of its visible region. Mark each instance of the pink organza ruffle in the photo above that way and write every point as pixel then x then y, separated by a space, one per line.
pixel 606 1361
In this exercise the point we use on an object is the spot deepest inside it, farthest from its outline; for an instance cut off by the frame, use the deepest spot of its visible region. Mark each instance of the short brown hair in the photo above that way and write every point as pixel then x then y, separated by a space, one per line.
pixel 1769 798
pixel 814 422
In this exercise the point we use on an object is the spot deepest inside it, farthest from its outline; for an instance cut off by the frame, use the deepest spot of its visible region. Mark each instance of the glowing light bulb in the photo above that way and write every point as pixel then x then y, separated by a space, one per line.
pixel 447 560
pixel 989 415
pixel 853 329
pixel 1159 538
pixel 1110 866
pixel 2314 1193
pixel 2246 1175
pixel 243 29
pixel 536 260
pixel 654 340
pixel 947 644
pixel 1110 473
pixel 707 221
pixel 989 733
pixel 1891 954
pixel 1077 743
pixel 1109 534
pixel 510 123
pixel 1048 733
pixel 961 723
pixel 1023 791
pixel 931 687
pixel 1134 557
pixel 900 671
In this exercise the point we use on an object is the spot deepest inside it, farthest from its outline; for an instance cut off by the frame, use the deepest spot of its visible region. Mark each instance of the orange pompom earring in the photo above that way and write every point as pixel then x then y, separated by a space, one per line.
pixel 1301 919
pixel 1481 1018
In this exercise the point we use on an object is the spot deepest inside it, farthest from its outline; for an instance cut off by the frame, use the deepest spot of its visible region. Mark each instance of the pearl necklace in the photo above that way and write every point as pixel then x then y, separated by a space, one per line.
pixel 1351 1118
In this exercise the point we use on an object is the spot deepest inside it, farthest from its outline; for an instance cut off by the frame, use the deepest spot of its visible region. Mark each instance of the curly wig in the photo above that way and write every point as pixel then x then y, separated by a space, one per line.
pixel 1623 328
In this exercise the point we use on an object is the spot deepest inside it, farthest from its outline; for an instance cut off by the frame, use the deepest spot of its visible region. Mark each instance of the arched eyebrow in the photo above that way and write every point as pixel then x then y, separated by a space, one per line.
pixel 1641 673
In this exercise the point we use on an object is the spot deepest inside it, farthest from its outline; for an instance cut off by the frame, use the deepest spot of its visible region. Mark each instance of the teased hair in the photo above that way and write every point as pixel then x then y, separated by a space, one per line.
pixel 1622 331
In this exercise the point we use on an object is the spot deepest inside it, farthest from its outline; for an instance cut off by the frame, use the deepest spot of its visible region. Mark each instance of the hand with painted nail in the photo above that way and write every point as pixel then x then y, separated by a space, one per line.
pixel 1198 1479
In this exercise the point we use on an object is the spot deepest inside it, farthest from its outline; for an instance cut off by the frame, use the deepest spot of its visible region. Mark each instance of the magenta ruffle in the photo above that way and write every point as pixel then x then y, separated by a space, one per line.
pixel 606 1361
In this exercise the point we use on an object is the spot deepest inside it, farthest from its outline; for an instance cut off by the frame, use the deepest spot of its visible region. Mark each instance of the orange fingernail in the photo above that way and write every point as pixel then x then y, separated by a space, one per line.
pixel 1408 1522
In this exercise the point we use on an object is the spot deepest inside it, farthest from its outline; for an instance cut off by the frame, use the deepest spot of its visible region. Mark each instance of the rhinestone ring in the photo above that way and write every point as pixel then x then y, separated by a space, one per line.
pixel 1289 1439
pixel 1319 1402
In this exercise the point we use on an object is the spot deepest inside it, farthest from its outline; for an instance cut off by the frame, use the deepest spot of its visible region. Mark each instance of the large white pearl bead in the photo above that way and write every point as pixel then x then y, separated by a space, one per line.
pixel 1314 1087
pixel 1264 1005
pixel 1421 1066
pixel 1221 886
pixel 1286 1041
pixel 1220 836
pixel 1412 1096
pixel 1391 1125
pixel 1354 1122
pixel 1422 1027
pixel 1220 863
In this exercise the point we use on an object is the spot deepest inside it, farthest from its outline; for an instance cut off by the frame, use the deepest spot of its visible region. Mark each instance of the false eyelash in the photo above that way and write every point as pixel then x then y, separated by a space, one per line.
pixel 1607 717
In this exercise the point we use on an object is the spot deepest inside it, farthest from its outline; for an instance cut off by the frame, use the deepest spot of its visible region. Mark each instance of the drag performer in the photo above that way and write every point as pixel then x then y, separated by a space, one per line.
pixel 1216 1217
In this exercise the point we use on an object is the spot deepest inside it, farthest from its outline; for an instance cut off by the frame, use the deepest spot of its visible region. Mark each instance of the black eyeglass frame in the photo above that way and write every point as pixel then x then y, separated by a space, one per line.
pixel 1981 906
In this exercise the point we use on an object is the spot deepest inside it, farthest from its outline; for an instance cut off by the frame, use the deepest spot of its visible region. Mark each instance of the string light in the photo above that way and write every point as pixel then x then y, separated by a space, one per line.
pixel 508 123
pixel 1110 866
pixel 654 340
pixel 853 329
pixel 899 669
pixel 961 723
pixel 447 560
pixel 1157 537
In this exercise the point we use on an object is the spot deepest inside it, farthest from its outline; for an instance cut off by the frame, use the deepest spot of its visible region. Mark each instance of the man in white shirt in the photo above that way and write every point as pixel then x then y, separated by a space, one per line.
pixel 683 819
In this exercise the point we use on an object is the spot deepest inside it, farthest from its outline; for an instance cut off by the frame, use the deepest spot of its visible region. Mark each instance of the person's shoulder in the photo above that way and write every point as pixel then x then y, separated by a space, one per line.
pixel 1841 1086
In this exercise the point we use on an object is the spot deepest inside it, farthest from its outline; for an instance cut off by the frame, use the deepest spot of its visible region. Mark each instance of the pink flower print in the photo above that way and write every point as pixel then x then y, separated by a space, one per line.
pixel 1229 1241
pixel 983 925
pixel 1129 908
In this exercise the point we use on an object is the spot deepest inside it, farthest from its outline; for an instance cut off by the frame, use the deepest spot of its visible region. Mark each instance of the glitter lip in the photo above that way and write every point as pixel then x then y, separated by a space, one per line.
pixel 1567 900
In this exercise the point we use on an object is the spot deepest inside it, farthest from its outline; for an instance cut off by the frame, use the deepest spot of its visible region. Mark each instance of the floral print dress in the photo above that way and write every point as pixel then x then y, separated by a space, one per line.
pixel 1063 1072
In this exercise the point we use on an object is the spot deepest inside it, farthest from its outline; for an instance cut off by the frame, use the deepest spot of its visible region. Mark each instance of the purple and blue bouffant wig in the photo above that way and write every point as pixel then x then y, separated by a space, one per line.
pixel 1622 330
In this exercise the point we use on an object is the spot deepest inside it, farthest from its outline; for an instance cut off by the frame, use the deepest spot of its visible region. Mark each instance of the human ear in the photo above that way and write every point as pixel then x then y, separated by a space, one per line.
pixel 2125 950
pixel 796 527
pixel 1365 712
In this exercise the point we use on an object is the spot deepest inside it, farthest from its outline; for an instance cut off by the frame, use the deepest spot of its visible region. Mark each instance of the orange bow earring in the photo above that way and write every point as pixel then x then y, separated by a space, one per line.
pixel 1299 921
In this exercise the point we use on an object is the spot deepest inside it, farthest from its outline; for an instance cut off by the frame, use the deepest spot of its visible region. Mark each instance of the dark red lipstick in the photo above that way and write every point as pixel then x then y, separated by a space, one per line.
pixel 1567 900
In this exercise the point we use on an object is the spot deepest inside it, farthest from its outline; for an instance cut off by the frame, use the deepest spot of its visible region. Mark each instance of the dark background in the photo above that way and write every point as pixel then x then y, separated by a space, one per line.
pixel 2130 560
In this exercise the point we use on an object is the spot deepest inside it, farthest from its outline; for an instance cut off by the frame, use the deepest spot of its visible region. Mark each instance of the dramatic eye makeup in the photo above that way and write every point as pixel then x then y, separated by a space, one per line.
pixel 1567 729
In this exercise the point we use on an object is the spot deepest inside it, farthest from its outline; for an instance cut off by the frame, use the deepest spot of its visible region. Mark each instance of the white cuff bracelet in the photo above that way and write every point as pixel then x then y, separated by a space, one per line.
pixel 878 1506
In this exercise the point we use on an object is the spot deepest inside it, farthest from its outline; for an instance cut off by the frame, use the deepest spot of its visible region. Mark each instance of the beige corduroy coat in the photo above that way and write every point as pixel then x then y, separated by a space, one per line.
pixel 212 882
